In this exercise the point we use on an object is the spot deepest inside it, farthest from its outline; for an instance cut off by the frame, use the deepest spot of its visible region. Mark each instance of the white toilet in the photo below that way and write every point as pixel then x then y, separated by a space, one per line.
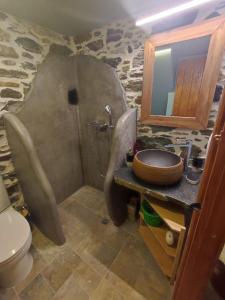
pixel 15 240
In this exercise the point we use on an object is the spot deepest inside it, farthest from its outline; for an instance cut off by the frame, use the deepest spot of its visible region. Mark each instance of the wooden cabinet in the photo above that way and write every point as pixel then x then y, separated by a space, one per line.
pixel 167 257
pixel 174 204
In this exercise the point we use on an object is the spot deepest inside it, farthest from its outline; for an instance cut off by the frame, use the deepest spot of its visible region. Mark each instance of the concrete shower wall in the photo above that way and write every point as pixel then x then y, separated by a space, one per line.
pixel 98 86
pixel 71 152
pixel 53 125
pixel 37 190
pixel 23 47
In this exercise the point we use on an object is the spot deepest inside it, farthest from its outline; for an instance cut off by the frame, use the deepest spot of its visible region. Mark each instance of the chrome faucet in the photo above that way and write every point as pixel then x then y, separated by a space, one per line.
pixel 183 143
pixel 100 126
pixel 108 110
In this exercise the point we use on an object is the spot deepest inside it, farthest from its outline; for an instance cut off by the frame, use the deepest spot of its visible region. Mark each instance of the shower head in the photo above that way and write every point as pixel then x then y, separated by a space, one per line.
pixel 108 109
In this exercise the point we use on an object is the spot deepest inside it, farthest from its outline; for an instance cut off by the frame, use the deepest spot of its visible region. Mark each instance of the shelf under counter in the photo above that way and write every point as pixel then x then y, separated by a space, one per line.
pixel 164 261
pixel 160 233
pixel 174 205
pixel 167 257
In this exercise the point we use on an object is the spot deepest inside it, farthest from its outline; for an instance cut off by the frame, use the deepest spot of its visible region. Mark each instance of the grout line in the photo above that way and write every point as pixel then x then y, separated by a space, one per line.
pixel 103 278
pixel 16 293
pixel 103 274
pixel 51 288
pixel 80 285
pixel 121 249
pixel 19 292
pixel 101 215
pixel 99 273
pixel 91 211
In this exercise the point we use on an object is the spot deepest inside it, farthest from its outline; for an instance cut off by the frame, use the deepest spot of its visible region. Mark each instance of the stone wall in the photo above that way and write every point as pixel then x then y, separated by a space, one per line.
pixel 121 45
pixel 23 46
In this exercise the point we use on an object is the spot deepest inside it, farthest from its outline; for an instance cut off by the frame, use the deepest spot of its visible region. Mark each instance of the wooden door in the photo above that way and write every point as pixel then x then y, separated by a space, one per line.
pixel 188 84
pixel 206 235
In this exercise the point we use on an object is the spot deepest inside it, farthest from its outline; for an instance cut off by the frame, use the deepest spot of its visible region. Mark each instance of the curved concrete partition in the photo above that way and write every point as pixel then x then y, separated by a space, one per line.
pixel 53 124
pixel 36 187
pixel 123 140
pixel 98 86
pixel 68 150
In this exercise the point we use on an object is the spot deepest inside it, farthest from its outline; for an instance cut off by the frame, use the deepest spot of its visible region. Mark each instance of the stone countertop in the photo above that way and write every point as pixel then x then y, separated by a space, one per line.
pixel 182 193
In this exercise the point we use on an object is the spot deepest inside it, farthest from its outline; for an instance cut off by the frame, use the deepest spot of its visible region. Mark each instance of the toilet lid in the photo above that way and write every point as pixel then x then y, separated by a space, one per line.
pixel 14 233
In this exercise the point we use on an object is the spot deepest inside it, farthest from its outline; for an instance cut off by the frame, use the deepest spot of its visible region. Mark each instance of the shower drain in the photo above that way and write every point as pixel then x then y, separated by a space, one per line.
pixel 105 221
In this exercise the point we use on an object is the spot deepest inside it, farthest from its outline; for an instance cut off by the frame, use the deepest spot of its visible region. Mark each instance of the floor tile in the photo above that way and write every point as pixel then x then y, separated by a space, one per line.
pixel 152 284
pixel 38 265
pixel 46 248
pixel 90 231
pixel 84 216
pixel 8 294
pixel 68 200
pixel 136 267
pixel 101 241
pixel 76 232
pixel 71 290
pixel 93 199
pixel 129 262
pixel 121 286
pixel 104 246
pixel 131 227
pixel 98 261
pixel 38 289
pixel 93 262
pixel 61 268
pixel 106 291
pixel 70 225
pixel 87 278
pixel 102 251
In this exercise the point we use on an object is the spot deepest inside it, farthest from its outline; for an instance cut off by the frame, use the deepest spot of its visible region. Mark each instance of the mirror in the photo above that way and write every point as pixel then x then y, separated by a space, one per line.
pixel 181 69
pixel 178 71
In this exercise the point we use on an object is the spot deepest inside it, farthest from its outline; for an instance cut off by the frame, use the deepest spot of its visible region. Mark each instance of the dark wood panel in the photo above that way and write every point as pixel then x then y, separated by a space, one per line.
pixel 206 236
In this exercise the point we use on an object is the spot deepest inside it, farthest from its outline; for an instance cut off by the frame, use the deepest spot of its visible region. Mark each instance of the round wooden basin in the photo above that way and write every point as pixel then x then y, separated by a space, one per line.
pixel 158 166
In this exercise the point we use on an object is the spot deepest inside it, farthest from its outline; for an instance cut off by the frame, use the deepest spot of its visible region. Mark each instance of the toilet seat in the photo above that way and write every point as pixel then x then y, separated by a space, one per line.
pixel 15 235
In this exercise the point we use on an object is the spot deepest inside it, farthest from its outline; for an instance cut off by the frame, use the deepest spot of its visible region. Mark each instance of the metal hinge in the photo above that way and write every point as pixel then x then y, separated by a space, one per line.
pixel 217 137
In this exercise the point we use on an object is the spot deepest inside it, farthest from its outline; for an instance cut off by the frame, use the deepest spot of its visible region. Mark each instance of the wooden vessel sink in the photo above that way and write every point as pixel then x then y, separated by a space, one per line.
pixel 158 166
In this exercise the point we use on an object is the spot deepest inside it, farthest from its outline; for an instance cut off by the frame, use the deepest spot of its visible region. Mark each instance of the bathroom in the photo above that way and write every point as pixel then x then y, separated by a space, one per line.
pixel 79 98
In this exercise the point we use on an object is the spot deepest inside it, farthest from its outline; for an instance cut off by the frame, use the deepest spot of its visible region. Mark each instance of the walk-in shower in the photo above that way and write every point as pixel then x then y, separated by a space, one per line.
pixel 103 131
pixel 72 142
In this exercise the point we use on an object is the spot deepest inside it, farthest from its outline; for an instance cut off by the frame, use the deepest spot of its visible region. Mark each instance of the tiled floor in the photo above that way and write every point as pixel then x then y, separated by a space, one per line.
pixel 98 261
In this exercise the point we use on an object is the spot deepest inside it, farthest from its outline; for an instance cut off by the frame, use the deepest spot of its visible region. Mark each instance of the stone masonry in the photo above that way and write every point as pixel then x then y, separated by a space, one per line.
pixel 121 45
pixel 23 46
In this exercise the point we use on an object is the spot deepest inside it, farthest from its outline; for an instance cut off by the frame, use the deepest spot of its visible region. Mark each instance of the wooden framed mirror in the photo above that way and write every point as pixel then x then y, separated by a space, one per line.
pixel 181 69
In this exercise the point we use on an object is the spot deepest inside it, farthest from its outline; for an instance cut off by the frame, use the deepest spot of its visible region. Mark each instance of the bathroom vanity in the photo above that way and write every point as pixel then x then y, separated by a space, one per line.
pixel 174 204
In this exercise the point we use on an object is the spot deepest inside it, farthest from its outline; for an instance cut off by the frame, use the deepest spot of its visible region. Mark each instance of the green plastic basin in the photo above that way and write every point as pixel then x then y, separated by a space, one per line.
pixel 150 217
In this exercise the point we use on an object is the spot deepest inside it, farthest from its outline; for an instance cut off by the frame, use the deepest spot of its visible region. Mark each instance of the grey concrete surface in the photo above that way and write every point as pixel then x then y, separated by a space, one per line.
pixel 53 125
pixel 123 139
pixel 33 180
pixel 67 152
pixel 98 86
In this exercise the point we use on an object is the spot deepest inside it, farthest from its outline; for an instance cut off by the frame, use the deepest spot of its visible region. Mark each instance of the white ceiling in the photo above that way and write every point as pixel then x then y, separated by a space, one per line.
pixel 73 17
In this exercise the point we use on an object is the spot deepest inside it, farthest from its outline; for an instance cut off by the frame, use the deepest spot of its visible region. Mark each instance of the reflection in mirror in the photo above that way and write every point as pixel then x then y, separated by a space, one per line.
pixel 178 71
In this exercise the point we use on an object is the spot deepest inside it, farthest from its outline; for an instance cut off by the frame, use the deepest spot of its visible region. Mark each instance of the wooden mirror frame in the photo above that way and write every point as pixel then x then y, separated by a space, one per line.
pixel 214 27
